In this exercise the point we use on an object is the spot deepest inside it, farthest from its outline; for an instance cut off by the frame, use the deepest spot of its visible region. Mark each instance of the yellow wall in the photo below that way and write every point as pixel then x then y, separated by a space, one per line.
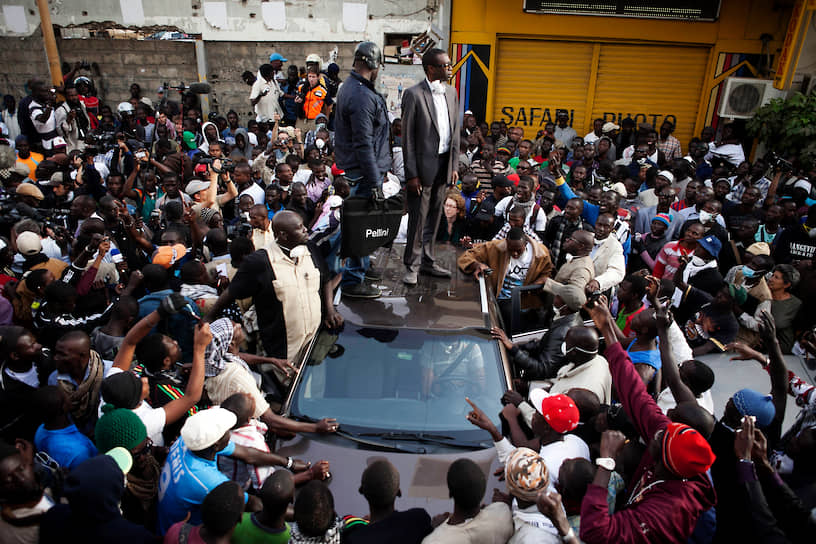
pixel 738 29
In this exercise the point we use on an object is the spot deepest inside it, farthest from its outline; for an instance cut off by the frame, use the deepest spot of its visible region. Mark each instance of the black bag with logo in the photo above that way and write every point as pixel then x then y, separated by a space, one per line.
pixel 368 223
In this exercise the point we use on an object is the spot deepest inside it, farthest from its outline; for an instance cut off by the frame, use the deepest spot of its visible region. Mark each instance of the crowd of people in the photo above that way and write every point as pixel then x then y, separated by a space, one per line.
pixel 163 274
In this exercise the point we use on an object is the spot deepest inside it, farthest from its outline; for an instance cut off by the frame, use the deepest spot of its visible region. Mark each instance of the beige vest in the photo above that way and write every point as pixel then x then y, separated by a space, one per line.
pixel 297 286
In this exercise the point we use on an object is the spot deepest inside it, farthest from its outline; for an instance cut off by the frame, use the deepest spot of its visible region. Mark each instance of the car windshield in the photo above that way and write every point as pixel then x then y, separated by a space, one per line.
pixel 382 380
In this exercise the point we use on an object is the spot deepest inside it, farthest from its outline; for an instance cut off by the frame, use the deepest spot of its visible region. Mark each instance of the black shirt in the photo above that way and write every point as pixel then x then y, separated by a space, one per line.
pixel 255 278
pixel 408 527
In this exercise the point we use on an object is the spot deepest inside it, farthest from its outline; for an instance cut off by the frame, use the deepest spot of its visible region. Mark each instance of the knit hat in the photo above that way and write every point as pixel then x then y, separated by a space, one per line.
pixel 759 248
pixel 206 214
pixel 122 390
pixel 559 411
pixel 167 256
pixel 189 139
pixel 205 428
pixel 663 218
pixel 526 474
pixel 119 427
pixel 29 243
pixel 685 452
pixel 753 403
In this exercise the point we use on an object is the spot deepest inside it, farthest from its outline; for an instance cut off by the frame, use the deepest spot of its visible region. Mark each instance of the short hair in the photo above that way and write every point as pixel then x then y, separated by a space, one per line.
pixel 314 509
pixel 266 71
pixel 35 279
pixel 240 248
pixel 574 488
pixel 48 401
pixel 277 492
pixel 27 225
pixel 126 306
pixel 700 377
pixel 222 508
pixel 279 166
pixel 380 483
pixel 59 292
pixel 151 351
pixel 515 233
pixel 154 276
pixel 239 404
pixel 638 284
pixel 191 271
pixel 466 483
pixel 313 69
pixel 789 275
pixel 517 211
pixel 430 56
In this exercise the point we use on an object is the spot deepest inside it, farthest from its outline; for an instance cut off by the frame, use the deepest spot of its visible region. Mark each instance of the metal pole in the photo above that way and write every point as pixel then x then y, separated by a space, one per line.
pixel 50 43
pixel 201 67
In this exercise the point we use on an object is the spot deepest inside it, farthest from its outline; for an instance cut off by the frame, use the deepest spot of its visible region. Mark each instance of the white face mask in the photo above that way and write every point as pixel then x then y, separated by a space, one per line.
pixel 697 261
pixel 319 143
pixel 705 217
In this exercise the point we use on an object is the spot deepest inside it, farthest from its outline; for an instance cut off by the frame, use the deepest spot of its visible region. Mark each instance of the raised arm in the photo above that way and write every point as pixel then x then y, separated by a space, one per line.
pixel 175 409
pixel 170 305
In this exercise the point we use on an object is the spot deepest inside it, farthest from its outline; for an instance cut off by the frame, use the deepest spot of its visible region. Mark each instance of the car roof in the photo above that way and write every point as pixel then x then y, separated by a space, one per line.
pixel 434 303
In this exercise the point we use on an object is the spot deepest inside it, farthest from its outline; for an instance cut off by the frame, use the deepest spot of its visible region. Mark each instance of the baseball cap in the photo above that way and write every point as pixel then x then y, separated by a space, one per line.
pixel 500 180
pixel 122 457
pixel 167 256
pixel 58 141
pixel 753 403
pixel 29 243
pixel 206 427
pixel 124 107
pixel 277 56
pixel 803 184
pixel 609 127
pixel 559 411
pixel 21 169
pixel 56 179
pixel 29 189
pixel 711 244
pixel 759 248
pixel 195 186
pixel 336 170
pixel 572 296
pixel 468 112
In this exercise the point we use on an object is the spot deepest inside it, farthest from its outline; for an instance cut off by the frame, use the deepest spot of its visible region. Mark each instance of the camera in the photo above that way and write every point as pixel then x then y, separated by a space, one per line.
pixel 778 163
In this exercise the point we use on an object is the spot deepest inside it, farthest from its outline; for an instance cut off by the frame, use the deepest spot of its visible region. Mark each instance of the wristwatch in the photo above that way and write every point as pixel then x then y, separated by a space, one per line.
pixel 606 462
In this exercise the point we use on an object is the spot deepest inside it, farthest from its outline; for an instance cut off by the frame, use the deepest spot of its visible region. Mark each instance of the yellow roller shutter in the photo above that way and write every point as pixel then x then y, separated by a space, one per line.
pixel 650 83
pixel 536 77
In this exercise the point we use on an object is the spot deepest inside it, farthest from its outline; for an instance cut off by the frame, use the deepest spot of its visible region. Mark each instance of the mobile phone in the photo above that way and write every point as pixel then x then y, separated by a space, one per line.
pixel 190 312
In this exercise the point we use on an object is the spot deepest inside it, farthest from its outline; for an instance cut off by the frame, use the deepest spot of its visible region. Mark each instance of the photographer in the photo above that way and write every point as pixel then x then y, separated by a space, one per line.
pixel 72 120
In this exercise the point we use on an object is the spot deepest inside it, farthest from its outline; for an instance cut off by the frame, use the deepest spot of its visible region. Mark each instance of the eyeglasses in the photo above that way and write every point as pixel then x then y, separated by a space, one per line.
pixel 445 65
pixel 148 447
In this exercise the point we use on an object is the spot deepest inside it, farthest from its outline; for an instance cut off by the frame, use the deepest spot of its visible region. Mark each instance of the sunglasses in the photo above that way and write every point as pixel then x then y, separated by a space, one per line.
pixel 148 447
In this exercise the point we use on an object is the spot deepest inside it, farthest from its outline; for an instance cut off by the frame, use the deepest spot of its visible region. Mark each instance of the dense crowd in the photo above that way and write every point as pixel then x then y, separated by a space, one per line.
pixel 163 275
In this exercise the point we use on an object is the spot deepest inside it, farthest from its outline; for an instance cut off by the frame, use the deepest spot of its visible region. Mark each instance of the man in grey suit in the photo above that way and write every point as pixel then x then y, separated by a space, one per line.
pixel 430 147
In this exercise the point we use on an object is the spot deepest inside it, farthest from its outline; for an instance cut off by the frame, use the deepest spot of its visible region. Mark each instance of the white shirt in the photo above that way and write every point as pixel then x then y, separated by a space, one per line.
pixel 441 112
pixel 665 401
pixel 154 419
pixel 733 153
pixel 506 204
pixel 268 105
pixel 591 138
pixel 254 190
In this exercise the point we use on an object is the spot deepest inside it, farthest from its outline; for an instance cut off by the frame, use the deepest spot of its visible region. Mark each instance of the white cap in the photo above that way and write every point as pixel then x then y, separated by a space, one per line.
pixel 125 107
pixel 313 57
pixel 609 127
pixel 666 174
pixel 206 427
pixel 58 141
pixel 195 186
pixel 335 201
pixel 803 184
pixel 29 243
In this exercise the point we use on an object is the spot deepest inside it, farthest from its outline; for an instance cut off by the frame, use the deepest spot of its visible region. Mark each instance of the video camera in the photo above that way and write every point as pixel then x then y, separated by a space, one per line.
pixel 227 165
pixel 778 163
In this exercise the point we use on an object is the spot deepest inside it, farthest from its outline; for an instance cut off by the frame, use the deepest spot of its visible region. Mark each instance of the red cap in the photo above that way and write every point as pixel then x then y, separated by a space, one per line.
pixel 685 451
pixel 559 411
pixel 200 169
pixel 336 171
pixel 514 178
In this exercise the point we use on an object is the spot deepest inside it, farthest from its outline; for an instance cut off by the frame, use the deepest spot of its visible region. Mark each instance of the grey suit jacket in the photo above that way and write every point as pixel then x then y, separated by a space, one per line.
pixel 420 134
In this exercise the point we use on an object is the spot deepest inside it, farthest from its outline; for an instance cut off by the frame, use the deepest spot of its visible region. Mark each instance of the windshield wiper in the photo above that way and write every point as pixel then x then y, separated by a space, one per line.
pixel 357 438
pixel 424 437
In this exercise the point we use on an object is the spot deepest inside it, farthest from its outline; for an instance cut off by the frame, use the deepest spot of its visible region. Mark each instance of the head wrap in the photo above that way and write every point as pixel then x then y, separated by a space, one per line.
pixel 526 474
pixel 685 452
pixel 753 403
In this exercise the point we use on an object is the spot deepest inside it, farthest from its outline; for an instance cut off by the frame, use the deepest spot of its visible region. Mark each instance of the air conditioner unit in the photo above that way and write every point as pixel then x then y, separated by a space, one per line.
pixel 743 96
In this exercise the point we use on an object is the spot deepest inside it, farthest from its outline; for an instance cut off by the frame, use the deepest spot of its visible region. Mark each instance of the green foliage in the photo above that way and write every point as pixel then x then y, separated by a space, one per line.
pixel 787 126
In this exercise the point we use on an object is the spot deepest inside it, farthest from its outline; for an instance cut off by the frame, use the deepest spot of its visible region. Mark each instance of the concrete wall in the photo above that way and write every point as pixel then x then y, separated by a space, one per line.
pixel 245 20
pixel 21 59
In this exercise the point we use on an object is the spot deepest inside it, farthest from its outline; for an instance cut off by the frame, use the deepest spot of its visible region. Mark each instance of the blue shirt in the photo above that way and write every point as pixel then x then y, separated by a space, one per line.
pixel 66 446
pixel 185 481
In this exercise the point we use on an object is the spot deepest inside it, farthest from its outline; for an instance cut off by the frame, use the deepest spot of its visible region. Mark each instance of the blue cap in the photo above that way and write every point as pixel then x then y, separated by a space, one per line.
pixel 711 244
pixel 752 403
pixel 277 56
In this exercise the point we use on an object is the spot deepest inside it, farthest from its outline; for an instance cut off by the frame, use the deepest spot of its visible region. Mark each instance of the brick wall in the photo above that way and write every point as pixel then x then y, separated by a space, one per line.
pixel 226 61
pixel 20 60
pixel 123 62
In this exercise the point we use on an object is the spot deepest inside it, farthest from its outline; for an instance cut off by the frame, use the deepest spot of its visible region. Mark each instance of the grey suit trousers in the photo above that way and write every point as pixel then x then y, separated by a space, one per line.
pixel 424 212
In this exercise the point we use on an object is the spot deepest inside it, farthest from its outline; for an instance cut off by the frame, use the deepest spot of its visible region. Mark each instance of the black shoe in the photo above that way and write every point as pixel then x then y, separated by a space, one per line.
pixel 435 270
pixel 373 274
pixel 361 290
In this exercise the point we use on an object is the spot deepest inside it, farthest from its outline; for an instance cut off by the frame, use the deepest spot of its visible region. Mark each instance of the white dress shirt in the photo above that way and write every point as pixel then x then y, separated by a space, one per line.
pixel 441 112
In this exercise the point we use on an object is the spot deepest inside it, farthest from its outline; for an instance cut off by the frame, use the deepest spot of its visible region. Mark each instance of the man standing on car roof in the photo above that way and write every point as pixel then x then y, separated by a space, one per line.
pixel 361 147
pixel 430 147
